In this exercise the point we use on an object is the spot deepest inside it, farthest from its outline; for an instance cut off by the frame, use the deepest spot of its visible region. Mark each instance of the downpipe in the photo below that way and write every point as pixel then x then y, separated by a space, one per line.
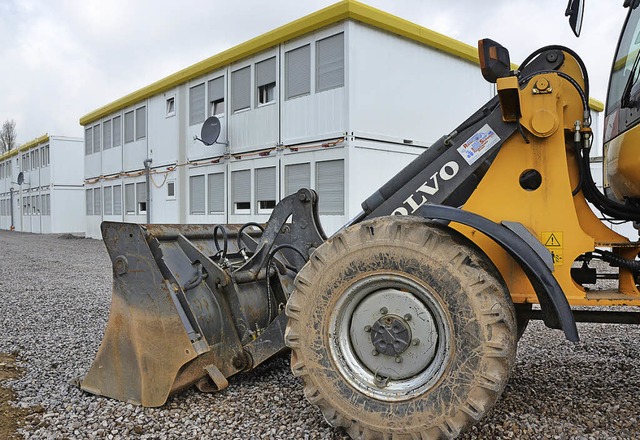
pixel 147 172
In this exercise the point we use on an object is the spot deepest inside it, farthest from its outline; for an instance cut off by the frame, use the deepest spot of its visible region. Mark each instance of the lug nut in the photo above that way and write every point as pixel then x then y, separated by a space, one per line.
pixel 374 353
pixel 407 317
pixel 384 311
pixel 398 360
pixel 416 341
pixel 367 328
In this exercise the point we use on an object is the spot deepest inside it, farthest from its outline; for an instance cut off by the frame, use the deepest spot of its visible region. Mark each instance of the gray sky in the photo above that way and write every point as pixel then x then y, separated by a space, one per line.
pixel 61 59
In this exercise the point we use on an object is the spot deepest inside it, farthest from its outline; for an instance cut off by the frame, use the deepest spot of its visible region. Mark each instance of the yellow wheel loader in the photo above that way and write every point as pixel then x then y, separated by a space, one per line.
pixel 404 323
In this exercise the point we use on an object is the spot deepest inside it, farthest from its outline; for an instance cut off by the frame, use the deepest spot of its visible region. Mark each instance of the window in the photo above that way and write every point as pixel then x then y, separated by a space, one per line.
pixel 130 198
pixel 171 190
pixel 44 155
pixel 297 176
pixel 141 197
pixel 216 193
pixel 241 189
pixel 38 206
pixel 97 201
pixel 241 89
pixel 216 97
pixel 25 158
pixel 117 131
pixel 108 200
pixel 330 187
pixel 35 159
pixel 330 63
pixel 298 72
pixel 96 138
pixel 117 199
pixel 34 211
pixel 88 141
pixel 141 123
pixel 265 81
pixel 89 199
pixel 265 189
pixel 196 104
pixel 106 135
pixel 128 127
pixel 171 106
pixel 25 205
pixel 46 204
pixel 196 195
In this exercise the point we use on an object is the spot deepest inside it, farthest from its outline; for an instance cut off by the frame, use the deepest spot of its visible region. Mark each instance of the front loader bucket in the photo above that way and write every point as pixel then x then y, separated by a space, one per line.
pixel 196 304
pixel 145 343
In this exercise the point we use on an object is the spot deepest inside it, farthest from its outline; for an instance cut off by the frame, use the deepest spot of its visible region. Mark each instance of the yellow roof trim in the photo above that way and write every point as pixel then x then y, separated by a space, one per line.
pixel 8 154
pixel 24 147
pixel 596 105
pixel 37 141
pixel 344 10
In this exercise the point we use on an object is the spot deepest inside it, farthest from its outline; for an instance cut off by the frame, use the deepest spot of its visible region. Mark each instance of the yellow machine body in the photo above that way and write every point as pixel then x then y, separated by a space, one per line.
pixel 623 164
pixel 563 223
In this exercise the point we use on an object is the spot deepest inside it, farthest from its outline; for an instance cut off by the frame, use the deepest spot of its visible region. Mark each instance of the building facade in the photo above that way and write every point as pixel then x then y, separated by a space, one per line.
pixel 41 186
pixel 338 101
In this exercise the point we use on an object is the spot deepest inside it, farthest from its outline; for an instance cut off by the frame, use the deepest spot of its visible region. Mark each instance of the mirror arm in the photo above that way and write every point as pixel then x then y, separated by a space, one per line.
pixel 196 138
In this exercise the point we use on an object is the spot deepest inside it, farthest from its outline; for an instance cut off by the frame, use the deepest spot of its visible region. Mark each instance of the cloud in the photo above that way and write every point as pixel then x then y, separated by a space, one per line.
pixel 61 59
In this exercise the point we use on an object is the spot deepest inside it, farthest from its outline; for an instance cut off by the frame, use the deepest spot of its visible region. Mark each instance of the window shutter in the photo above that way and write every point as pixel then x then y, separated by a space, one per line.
pixel 96 138
pixel 117 199
pixel 266 72
pixel 265 184
pixel 241 89
pixel 241 186
pixel 196 194
pixel 141 196
pixel 89 199
pixel 298 71
pixel 88 141
pixel 216 89
pixel 117 131
pixel 141 123
pixel 330 63
pixel 108 200
pixel 128 127
pixel 130 198
pixel 216 193
pixel 297 176
pixel 196 104
pixel 330 186
pixel 97 201
pixel 106 135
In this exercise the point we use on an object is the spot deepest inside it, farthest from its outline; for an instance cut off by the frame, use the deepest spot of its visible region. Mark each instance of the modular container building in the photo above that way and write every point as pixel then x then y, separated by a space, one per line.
pixel 338 101
pixel 41 186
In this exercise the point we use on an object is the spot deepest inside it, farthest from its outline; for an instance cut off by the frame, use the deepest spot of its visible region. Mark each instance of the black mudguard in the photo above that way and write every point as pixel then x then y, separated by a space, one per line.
pixel 555 307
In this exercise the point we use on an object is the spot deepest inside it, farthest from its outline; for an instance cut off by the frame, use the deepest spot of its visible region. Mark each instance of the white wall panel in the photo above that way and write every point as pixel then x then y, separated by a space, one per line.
pixel 254 129
pixel 403 89
pixel 315 116
pixel 163 129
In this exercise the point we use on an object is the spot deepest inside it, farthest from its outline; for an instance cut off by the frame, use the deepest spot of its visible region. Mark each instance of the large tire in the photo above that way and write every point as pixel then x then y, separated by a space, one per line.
pixel 444 366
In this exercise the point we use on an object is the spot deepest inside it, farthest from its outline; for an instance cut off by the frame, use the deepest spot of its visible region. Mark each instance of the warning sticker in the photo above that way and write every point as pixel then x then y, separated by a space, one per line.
pixel 478 144
pixel 553 242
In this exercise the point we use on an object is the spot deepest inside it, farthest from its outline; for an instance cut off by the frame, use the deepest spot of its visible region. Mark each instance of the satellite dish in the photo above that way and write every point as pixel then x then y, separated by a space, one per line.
pixel 20 178
pixel 210 130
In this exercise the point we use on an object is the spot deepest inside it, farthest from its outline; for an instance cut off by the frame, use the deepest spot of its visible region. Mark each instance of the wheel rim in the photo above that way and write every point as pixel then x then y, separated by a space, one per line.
pixel 390 337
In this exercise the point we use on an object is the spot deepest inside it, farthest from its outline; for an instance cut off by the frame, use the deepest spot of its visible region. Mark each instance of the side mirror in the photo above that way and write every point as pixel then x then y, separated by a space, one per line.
pixel 575 11
pixel 494 60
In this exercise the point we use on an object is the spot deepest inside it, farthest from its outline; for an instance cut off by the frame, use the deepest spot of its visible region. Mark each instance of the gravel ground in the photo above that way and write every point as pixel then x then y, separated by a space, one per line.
pixel 54 301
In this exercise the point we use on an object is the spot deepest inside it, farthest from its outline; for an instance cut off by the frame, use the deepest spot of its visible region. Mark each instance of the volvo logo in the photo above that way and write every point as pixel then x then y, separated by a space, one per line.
pixel 429 188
